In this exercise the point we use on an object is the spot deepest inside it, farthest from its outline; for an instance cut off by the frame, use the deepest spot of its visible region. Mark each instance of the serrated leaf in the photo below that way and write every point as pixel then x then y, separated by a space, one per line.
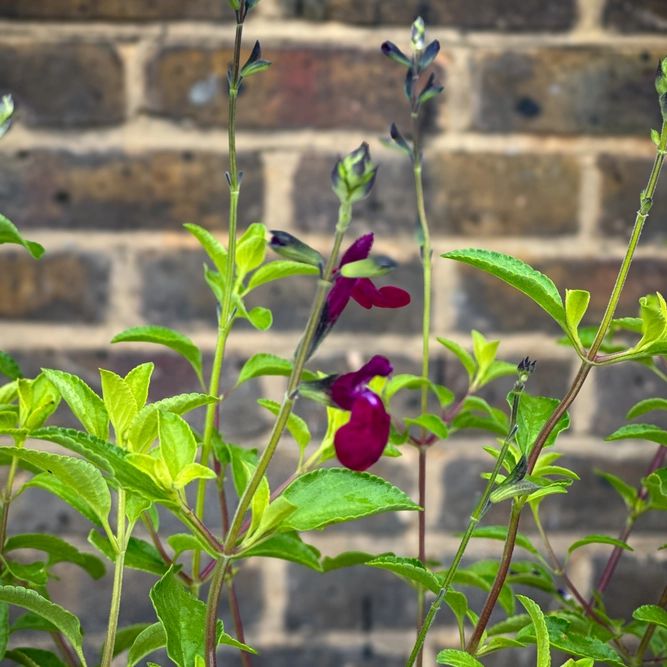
pixel 295 424
pixel 499 643
pixel 32 574
pixel 4 628
pixel 268 364
pixel 31 600
pixel 58 551
pixel 139 380
pixel 277 270
pixel 598 539
pixel 517 274
pixel 651 614
pixel 334 495
pixel 289 547
pixel 86 405
pixel 178 446
pixel 456 658
pixel 640 432
pixel 9 234
pixel 533 414
pixel 9 368
pixel 120 403
pixel 462 355
pixel 541 631
pixel 164 336
pixel 214 249
pixel 34 657
pixel 80 476
pixel 125 638
pixel 140 555
pixel 147 641
pixel 511 624
pixel 431 423
pixel 348 559
pixel 410 568
pixel 523 488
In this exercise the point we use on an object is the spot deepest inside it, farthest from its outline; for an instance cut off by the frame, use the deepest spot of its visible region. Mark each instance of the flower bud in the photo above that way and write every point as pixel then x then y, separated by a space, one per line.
pixel 661 77
pixel 418 32
pixel 291 247
pixel 255 63
pixel 353 176
pixel 429 54
pixel 525 369
pixel 394 53
pixel 372 267
pixel 6 112
pixel 319 390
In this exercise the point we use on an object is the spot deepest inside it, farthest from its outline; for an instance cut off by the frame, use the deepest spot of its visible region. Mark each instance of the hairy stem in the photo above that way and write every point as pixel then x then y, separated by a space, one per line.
pixel 211 639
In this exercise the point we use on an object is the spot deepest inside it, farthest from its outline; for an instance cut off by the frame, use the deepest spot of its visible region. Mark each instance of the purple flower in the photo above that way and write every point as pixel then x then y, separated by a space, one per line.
pixel 360 443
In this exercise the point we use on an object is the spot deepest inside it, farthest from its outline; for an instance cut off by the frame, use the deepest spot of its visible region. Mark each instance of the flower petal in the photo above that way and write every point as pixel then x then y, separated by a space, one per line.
pixel 347 388
pixel 339 296
pixel 359 250
pixel 360 443
pixel 367 295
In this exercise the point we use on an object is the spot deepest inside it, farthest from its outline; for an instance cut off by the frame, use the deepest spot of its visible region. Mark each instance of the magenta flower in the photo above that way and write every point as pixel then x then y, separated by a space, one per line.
pixel 360 443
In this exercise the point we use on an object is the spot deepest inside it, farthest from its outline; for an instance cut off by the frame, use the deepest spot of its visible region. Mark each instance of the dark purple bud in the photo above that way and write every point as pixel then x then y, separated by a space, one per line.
pixel 399 140
pixel 392 51
pixel 430 90
pixel 408 83
pixel 525 369
pixel 249 4
pixel 229 179
pixel 255 63
pixel 429 54
pixel 286 245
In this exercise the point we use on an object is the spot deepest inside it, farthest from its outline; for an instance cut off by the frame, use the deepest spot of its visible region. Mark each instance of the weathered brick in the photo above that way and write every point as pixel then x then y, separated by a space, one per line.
pixel 305 87
pixel 121 192
pixel 636 582
pixel 117 10
pixel 59 288
pixel 322 656
pixel 622 182
pixel 486 303
pixel 64 85
pixel 354 598
pixel 522 194
pixel 567 91
pixel 636 15
pixel 552 15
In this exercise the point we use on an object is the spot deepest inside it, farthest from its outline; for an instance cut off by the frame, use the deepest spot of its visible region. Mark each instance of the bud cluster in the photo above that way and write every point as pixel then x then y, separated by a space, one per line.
pixel 353 176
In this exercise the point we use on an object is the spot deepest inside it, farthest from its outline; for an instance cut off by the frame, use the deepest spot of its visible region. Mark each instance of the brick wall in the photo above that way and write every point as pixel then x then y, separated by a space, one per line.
pixel 539 149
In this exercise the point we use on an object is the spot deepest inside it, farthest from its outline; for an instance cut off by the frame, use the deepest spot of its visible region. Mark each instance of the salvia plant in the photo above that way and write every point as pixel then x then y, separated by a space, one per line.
pixel 130 457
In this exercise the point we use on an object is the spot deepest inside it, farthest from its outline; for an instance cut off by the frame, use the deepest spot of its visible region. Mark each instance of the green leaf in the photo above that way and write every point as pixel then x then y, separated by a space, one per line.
pixel 268 364
pixel 32 621
pixel 58 551
pixel 190 473
pixel 32 574
pixel 627 492
pixel 497 370
pixel 261 318
pixel 78 475
pixel 66 622
pixel 467 420
pixel 125 638
pixel 214 249
pixel 534 412
pixel 163 336
pixel 651 614
pixel 260 501
pixel 485 353
pixel 289 547
pixel 647 406
pixel 414 382
pixel 584 662
pixel 598 539
pixel 517 274
pixel 144 427
pixel 522 488
pixel 409 568
pixel 500 533
pixel 640 432
pixel 499 643
pixel 251 249
pixel 120 403
pixel 140 555
pixel 4 628
pixel 295 424
pixel 86 405
pixel 183 617
pixel 576 304
pixel 34 657
pixel 348 559
pixel 178 446
pixel 541 631
pixel 511 624
pixel 457 658
pixel 462 355
pixel 334 495
pixel 9 368
pixel 431 423
pixel 182 542
pixel 458 603
pixel 139 380
pixel 277 270
pixel 9 234
pixel 150 639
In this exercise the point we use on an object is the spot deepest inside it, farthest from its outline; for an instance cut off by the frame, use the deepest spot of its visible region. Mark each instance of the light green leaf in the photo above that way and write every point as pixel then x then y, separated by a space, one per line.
pixel 517 274
pixel 4 628
pixel 522 488
pixel 181 542
pixel 415 382
pixel 261 318
pixel 462 355
pixel 34 657
pixel 348 559
pixel 239 457
pixel 9 234
pixel 9 368
pixel 251 249
pixel 178 446
pixel 86 405
pixel 139 380
pixel 431 423
pixel 295 424
pixel 584 662
pixel 640 432
pixel 214 249
pixel 511 624
pixel 125 638
pixel 647 406
pixel 190 473
pixel 485 353
pixel 58 551
pixel 497 370
pixel 409 568
pixel 458 603
pixel 120 403
pixel 8 392
pixel 335 495
pixel 576 304
pixel 272 518
pixel 627 492
pixel 457 658
pixel 34 574
pixel 541 631
pixel 144 429
pixel 534 412
pixel 31 600
pixel 598 539
pixel 268 364
pixel 163 336
pixel 260 500
pixel 140 555
pixel 80 476
pixel 289 547
pixel 32 621
pixel 654 318
pixel 147 641
pixel 499 643
pixel 280 269
pixel 651 613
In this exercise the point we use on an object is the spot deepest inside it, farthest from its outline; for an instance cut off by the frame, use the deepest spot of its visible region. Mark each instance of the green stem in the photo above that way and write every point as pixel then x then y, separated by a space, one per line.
pixel 224 325
pixel 6 502
pixel 121 538
pixel 648 634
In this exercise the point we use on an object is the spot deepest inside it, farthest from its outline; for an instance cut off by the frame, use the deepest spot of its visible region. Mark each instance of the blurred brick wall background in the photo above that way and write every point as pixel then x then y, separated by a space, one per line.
pixel 540 148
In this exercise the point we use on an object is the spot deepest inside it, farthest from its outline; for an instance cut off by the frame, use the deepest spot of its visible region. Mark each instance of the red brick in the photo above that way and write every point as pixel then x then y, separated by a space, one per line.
pixel 64 85
pixel 305 87
pixel 567 91
pixel 121 192
pixel 636 15
pixel 58 288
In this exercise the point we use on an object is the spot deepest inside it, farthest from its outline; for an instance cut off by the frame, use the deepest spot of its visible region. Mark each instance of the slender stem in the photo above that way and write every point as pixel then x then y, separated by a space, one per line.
pixel 6 502
pixel 648 634
pixel 224 324
pixel 211 641
pixel 65 649
pixel 238 625
pixel 421 598
pixel 157 543
pixel 117 582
